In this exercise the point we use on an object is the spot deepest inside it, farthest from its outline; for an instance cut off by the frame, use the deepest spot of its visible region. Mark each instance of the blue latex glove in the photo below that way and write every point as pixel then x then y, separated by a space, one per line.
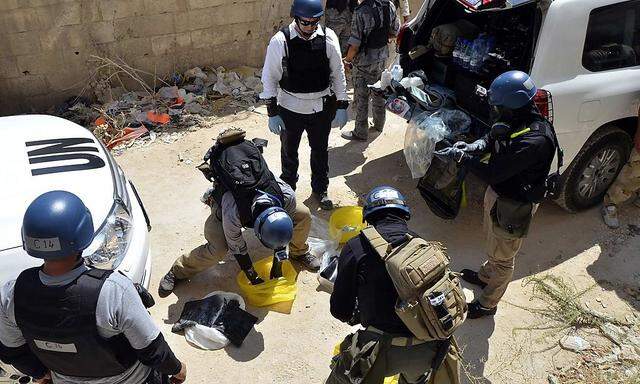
pixel 453 153
pixel 476 146
pixel 276 124
pixel 341 118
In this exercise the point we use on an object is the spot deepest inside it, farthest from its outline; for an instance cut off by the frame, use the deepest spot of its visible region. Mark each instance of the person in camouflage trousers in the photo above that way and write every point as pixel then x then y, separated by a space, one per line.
pixel 374 23
pixel 338 18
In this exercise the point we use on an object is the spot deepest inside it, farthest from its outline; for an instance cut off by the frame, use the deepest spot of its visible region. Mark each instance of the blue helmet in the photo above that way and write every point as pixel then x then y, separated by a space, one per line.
pixel 385 197
pixel 56 225
pixel 513 90
pixel 274 228
pixel 311 9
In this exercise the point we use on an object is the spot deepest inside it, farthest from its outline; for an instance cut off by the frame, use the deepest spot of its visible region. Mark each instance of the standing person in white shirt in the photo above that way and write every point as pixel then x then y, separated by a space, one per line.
pixel 305 89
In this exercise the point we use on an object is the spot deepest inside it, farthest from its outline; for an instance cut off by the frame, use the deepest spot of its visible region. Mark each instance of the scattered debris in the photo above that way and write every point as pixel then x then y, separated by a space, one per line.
pixel 164 106
pixel 618 362
pixel 574 343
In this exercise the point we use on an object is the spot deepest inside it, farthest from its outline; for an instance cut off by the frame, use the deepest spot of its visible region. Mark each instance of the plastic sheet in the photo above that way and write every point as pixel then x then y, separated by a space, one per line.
pixel 210 336
pixel 272 291
pixel 423 132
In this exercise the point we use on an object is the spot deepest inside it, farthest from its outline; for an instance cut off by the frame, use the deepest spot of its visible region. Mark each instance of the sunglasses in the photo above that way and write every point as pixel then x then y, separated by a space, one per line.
pixel 308 23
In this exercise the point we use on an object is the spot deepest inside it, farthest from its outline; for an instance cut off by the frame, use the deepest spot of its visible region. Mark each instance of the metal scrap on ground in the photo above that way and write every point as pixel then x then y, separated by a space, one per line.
pixel 123 118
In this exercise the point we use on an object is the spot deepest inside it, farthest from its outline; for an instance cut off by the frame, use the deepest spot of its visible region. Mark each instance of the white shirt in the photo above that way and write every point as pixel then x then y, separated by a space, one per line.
pixel 304 103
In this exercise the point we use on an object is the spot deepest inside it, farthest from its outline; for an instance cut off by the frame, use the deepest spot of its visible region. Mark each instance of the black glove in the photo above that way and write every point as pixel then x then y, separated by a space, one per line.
pixel 247 267
pixel 272 107
pixel 145 296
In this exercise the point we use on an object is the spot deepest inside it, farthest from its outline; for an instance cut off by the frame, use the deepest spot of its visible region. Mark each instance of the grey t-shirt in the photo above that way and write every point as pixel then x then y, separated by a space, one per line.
pixel 119 311
pixel 362 25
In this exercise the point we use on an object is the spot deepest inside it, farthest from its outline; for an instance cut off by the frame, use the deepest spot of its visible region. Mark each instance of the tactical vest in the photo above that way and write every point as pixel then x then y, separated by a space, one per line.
pixel 305 67
pixel 534 186
pixel 379 36
pixel 59 325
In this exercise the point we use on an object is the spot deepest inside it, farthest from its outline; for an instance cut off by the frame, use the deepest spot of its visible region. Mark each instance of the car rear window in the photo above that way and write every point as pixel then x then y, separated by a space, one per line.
pixel 613 37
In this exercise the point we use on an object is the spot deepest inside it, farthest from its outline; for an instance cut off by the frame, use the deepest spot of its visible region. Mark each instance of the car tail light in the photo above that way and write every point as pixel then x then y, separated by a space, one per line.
pixel 400 37
pixel 544 102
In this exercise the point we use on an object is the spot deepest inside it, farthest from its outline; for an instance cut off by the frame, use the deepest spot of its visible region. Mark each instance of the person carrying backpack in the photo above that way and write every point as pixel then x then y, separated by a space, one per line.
pixel 245 193
pixel 374 23
pixel 407 327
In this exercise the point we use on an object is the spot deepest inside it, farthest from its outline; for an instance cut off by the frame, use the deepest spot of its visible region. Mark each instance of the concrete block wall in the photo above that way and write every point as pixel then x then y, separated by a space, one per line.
pixel 46 45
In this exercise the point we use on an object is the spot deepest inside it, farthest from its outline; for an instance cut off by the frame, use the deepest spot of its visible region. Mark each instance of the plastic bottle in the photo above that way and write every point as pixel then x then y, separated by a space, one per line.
pixel 396 72
pixel 456 52
pixel 385 79
pixel 466 54
pixel 477 54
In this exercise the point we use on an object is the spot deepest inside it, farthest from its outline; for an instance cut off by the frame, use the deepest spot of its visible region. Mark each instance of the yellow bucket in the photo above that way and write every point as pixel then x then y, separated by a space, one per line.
pixel 347 223
pixel 281 290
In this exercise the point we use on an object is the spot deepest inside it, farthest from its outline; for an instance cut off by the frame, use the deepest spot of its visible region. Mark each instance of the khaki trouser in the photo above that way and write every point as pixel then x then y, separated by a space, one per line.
pixel 497 271
pixel 215 249
pixel 413 363
pixel 627 183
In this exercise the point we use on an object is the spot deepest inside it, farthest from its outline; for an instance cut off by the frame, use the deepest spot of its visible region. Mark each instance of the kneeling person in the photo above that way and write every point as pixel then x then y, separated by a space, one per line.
pixel 241 181
pixel 365 293
pixel 66 323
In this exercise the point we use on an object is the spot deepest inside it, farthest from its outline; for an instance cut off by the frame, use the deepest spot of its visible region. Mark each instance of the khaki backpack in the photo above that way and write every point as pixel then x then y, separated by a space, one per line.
pixel 430 298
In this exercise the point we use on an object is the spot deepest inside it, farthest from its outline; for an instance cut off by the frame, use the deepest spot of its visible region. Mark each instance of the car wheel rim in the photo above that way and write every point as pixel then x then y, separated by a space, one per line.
pixel 599 173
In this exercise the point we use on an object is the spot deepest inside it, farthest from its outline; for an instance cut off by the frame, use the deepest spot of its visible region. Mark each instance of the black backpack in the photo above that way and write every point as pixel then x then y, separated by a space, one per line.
pixel 240 168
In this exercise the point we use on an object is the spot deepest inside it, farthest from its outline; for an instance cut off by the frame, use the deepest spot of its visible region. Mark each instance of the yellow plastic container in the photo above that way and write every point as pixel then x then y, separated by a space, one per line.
pixel 281 290
pixel 349 221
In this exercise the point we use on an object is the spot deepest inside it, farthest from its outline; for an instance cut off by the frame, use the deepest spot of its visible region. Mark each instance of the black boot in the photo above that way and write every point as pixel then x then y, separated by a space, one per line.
pixel 472 277
pixel 477 311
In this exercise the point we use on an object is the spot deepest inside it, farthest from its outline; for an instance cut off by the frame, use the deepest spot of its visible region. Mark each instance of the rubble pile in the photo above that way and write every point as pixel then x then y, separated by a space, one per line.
pixel 181 101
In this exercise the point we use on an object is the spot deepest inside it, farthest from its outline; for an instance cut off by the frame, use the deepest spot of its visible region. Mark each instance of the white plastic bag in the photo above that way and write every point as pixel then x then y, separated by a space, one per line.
pixel 328 270
pixel 206 338
pixel 423 133
pixel 209 339
pixel 319 247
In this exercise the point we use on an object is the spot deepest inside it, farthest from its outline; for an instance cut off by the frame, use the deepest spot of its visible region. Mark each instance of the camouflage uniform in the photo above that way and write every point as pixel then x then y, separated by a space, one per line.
pixel 367 69
pixel 340 23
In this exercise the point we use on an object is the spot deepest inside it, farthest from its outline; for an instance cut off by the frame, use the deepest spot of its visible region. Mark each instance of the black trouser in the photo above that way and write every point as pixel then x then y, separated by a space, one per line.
pixel 317 126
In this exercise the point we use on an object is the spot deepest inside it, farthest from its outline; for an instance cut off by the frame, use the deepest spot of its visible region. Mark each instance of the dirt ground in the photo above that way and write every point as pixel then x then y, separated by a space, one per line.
pixel 296 347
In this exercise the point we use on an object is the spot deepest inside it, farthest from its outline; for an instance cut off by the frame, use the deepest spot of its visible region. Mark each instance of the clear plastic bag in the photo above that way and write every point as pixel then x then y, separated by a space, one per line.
pixel 456 121
pixel 423 132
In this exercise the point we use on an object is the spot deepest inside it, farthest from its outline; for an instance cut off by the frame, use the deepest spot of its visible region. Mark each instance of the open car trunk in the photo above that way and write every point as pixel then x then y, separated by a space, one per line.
pixel 494 36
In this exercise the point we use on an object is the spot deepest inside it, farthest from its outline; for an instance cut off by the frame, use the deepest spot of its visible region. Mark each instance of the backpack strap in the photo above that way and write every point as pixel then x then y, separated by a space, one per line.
pixel 287 37
pixel 377 242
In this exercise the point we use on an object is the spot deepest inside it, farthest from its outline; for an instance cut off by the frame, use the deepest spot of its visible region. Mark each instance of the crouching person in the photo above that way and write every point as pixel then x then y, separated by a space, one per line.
pixel 66 323
pixel 369 290
pixel 240 175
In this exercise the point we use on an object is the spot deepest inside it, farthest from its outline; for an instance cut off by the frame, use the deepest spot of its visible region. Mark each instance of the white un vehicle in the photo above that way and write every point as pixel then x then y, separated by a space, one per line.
pixel 44 153
pixel 584 56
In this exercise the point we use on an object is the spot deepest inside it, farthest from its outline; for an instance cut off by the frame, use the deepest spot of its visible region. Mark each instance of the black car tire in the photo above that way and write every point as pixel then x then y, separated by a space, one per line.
pixel 608 138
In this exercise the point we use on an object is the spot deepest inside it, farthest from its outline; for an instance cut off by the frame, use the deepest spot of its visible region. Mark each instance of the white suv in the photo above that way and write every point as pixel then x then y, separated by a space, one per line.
pixel 44 153
pixel 584 55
